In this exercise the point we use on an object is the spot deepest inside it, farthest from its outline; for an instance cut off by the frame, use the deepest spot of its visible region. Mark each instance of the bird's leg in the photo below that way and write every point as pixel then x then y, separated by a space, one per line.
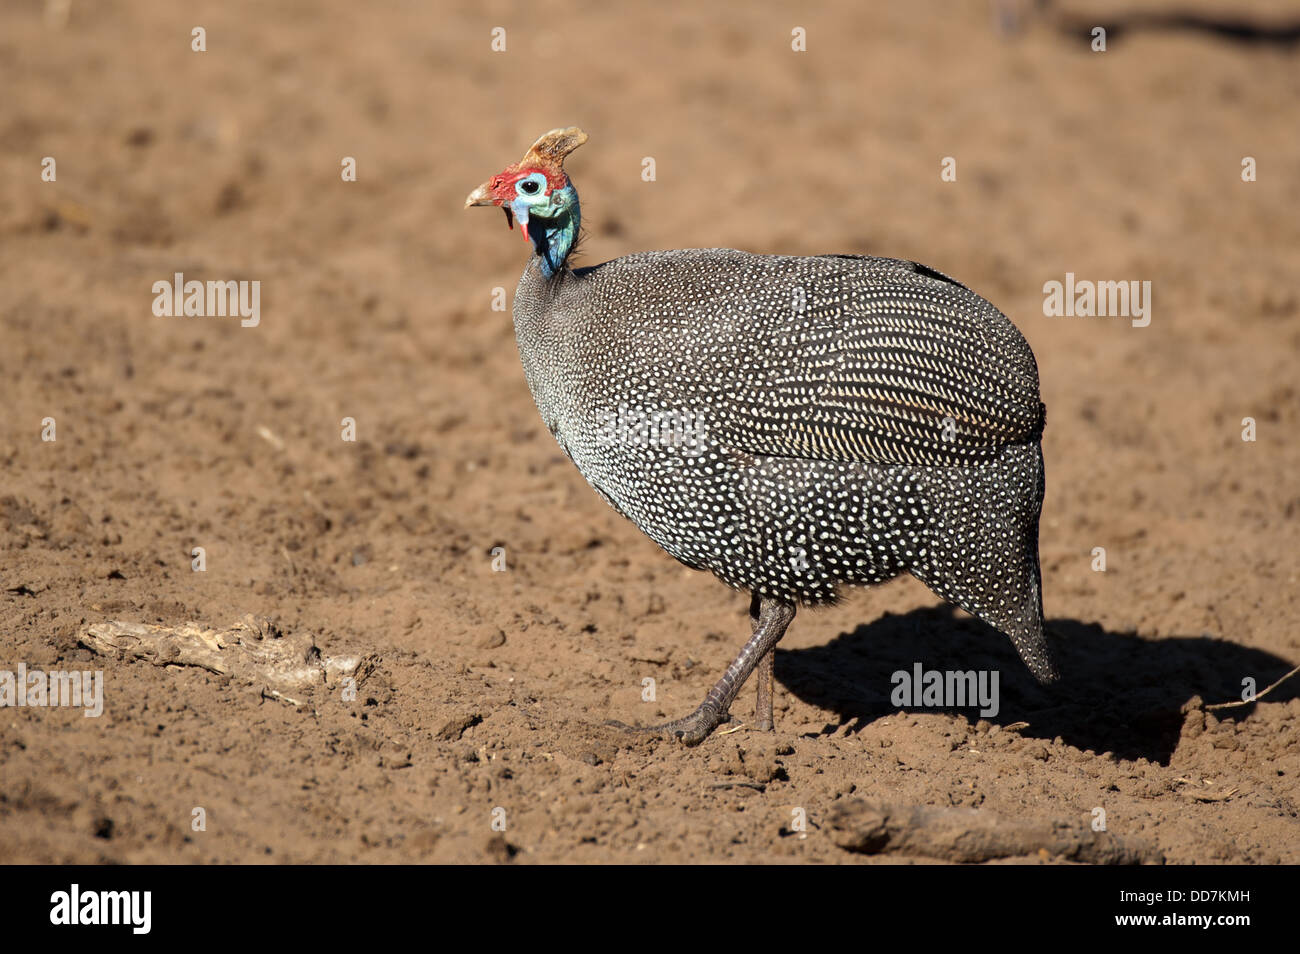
pixel 763 704
pixel 763 676
pixel 773 618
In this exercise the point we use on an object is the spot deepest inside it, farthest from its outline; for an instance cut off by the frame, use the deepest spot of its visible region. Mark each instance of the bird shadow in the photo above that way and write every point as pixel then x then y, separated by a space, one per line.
pixel 1117 693
pixel 1224 26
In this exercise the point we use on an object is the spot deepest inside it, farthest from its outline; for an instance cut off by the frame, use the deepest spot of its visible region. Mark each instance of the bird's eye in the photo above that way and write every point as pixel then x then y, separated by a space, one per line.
pixel 529 186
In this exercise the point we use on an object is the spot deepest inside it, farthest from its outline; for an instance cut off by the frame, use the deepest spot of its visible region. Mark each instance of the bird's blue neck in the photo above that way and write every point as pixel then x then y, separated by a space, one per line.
pixel 553 238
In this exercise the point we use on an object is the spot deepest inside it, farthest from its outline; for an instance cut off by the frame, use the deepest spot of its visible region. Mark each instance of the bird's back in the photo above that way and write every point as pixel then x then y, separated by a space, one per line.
pixel 828 357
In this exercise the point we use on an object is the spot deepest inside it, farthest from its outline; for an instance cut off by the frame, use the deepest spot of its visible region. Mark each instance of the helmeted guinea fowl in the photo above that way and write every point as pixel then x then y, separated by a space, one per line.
pixel 791 424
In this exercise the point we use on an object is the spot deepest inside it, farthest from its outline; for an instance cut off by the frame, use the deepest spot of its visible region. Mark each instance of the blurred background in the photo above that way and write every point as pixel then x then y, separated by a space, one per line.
pixel 376 304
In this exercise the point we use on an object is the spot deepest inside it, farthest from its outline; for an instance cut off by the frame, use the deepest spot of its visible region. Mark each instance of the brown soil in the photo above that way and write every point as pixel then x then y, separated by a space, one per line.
pixel 376 304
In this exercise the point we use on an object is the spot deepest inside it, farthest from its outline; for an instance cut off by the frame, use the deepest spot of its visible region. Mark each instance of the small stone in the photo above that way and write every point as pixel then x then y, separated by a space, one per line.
pixel 493 640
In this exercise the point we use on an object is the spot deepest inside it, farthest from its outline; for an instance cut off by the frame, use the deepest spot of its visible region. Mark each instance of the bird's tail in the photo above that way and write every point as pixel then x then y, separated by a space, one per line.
pixel 982 548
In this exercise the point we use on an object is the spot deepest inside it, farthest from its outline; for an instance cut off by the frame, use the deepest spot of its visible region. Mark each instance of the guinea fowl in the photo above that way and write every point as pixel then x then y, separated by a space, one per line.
pixel 791 424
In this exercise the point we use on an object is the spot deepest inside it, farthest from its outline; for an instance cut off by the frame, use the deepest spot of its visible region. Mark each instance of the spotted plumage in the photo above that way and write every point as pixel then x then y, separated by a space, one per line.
pixel 790 424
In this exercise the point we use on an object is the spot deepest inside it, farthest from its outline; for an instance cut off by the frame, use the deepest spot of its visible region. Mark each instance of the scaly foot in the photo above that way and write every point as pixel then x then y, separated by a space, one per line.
pixel 692 730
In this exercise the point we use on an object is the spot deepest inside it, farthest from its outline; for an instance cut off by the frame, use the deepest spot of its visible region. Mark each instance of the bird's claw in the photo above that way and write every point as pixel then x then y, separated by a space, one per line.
pixel 690 731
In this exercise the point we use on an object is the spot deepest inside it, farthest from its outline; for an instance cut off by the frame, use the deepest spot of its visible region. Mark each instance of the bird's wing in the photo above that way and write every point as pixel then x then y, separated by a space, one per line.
pixel 885 362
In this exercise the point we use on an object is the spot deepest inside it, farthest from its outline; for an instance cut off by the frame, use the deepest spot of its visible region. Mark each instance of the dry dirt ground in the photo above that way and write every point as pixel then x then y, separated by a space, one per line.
pixel 491 687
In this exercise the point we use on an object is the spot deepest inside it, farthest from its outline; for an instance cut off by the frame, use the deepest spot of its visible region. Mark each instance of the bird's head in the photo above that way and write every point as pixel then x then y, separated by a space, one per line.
pixel 536 186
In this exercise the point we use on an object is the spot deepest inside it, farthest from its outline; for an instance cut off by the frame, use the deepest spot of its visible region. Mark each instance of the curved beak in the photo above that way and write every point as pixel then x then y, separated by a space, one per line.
pixel 480 196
